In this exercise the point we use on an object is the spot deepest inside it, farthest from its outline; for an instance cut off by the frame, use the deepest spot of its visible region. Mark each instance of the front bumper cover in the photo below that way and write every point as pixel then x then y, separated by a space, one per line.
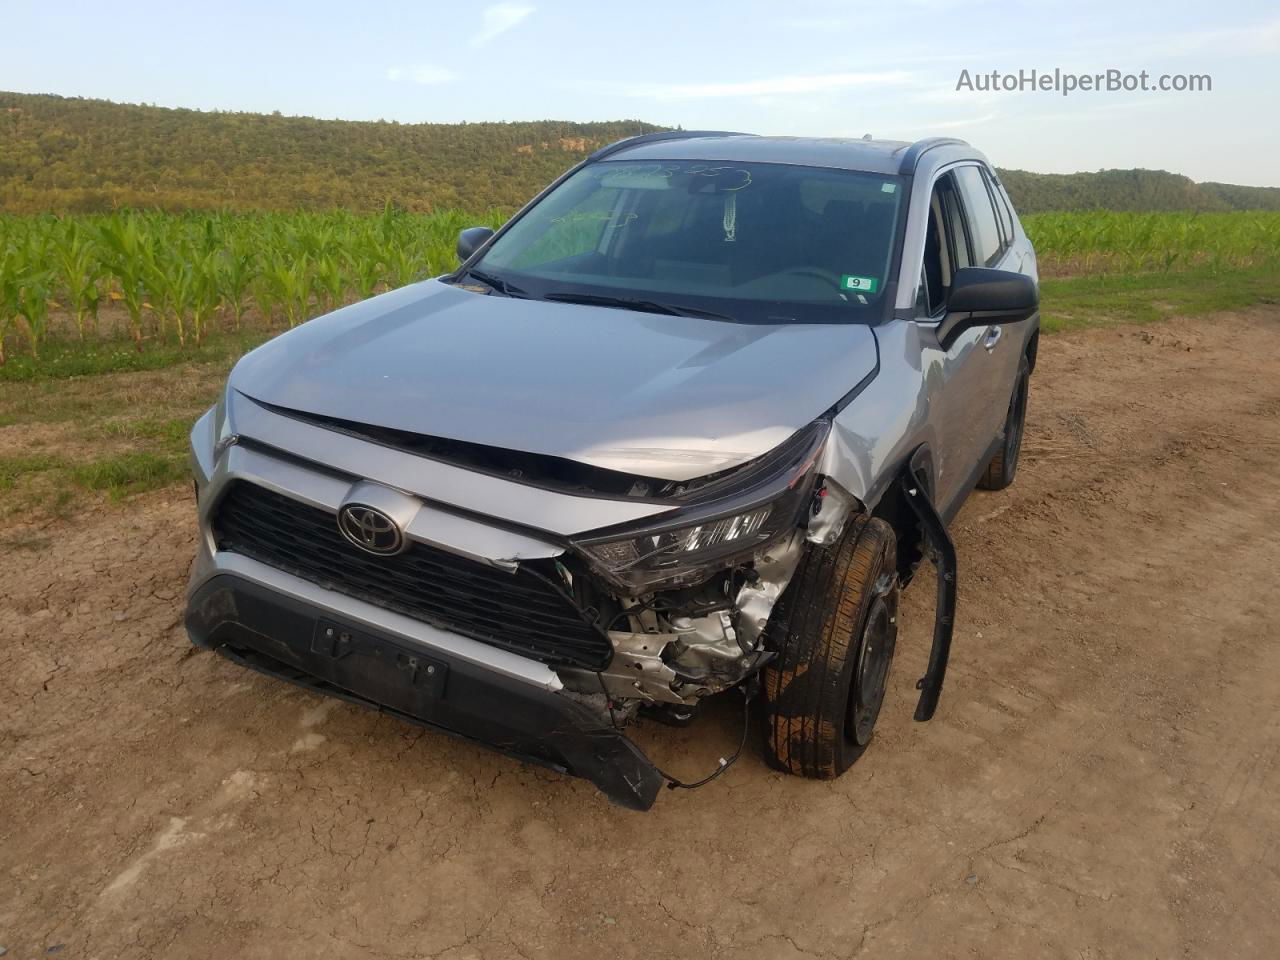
pixel 289 639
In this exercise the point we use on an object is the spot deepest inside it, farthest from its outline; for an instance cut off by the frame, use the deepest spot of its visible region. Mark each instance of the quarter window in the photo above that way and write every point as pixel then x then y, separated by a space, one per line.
pixel 1002 208
pixel 946 247
pixel 983 229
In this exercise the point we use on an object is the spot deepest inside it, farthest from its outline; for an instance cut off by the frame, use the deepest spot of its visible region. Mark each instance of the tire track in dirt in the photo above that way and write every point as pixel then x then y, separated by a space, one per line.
pixel 1100 781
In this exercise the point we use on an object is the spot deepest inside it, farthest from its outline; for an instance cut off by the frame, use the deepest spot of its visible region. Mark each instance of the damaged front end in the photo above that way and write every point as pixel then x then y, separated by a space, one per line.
pixel 685 598
pixel 540 645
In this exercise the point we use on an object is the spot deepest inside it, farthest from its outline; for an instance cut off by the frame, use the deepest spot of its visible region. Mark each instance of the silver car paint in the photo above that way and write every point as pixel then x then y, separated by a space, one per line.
pixel 869 156
pixel 219 459
pixel 659 396
pixel 441 483
pixel 952 400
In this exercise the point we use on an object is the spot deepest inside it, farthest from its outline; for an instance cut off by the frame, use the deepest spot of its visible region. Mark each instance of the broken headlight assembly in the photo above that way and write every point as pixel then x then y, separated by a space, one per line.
pixel 726 524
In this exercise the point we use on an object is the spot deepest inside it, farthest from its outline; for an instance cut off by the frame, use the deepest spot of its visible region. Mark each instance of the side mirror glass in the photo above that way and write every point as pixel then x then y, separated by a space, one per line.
pixel 981 296
pixel 472 239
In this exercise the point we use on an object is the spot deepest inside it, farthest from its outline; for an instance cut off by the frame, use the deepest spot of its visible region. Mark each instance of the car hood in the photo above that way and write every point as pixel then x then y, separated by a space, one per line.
pixel 648 394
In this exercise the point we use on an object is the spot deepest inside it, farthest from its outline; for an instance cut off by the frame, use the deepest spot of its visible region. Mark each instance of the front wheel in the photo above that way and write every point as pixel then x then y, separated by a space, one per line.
pixel 834 632
pixel 1004 465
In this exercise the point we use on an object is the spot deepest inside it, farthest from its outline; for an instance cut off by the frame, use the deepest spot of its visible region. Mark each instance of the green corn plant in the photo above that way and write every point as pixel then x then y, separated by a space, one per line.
pixel 174 280
pixel 35 287
pixel 291 286
pixel 366 273
pixel 9 270
pixel 263 292
pixel 81 271
pixel 234 274
pixel 125 255
pixel 203 292
pixel 402 266
pixel 330 284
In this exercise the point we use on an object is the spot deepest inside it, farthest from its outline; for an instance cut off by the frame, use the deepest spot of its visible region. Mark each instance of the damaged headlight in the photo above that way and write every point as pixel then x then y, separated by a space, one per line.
pixel 729 523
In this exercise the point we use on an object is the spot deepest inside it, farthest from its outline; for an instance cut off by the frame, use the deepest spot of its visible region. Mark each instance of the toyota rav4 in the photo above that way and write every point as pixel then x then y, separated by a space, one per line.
pixel 688 423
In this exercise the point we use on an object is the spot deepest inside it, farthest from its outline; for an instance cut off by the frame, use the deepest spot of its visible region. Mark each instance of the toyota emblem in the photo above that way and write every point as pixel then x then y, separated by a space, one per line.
pixel 369 529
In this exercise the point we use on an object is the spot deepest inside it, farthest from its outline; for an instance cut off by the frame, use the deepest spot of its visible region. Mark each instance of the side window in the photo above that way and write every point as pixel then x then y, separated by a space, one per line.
pixel 1003 213
pixel 955 226
pixel 981 216
pixel 946 247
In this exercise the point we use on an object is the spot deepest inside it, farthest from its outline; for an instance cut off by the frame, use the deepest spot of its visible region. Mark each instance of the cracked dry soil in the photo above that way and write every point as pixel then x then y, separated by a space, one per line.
pixel 1101 779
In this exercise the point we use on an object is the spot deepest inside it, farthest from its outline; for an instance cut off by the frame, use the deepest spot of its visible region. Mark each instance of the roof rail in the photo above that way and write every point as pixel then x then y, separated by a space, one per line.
pixel 914 152
pixel 657 137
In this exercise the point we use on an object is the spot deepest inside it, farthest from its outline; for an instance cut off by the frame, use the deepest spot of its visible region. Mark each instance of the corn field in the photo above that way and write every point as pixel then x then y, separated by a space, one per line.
pixel 174 278
pixel 1110 242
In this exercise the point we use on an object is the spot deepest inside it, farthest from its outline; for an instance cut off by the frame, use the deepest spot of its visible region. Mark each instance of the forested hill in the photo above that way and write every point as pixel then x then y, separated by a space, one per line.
pixel 73 155
pixel 64 154
pixel 1131 190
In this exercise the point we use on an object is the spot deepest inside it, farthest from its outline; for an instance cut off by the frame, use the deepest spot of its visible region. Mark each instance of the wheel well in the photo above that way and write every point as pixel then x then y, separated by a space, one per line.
pixel 894 510
pixel 1033 347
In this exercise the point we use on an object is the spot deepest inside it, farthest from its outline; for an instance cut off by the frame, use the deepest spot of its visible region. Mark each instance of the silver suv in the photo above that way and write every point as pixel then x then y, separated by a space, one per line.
pixel 687 423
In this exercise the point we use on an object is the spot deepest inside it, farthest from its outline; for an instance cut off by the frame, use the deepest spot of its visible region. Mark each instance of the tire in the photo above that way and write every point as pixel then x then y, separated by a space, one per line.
pixel 834 631
pixel 1004 465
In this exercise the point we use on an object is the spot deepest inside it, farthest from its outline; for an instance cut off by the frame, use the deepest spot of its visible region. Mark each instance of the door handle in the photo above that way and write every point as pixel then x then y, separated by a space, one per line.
pixel 994 333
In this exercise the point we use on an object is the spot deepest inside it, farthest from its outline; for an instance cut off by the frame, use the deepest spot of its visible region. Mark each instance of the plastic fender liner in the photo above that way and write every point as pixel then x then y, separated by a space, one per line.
pixel 914 481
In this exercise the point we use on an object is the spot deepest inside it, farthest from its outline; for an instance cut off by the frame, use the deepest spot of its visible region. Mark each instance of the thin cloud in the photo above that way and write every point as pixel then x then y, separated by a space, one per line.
pixel 499 19
pixel 423 74
pixel 959 124
pixel 946 92
pixel 1258 39
pixel 768 87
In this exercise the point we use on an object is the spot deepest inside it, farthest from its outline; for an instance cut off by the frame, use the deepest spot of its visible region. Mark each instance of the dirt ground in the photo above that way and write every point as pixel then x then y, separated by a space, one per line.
pixel 1101 779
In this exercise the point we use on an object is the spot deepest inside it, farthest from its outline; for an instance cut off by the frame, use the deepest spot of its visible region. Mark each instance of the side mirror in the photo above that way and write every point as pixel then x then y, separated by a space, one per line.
pixel 980 296
pixel 470 240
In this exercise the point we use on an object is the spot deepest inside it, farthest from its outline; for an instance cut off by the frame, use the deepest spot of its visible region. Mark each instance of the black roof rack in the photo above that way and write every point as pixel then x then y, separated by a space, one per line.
pixel 914 152
pixel 657 137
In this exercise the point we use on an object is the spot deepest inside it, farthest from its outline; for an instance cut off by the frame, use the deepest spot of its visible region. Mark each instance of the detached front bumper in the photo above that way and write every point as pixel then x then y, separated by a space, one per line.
pixel 288 631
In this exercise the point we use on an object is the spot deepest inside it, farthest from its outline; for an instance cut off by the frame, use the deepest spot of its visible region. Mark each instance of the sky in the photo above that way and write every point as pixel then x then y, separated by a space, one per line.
pixel 797 67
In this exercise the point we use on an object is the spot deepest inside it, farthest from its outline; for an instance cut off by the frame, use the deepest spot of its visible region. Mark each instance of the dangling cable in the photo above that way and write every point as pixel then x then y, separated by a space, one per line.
pixel 748 689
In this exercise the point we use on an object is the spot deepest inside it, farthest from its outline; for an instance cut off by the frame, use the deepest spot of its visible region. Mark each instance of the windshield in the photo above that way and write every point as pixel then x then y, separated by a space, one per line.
pixel 755 242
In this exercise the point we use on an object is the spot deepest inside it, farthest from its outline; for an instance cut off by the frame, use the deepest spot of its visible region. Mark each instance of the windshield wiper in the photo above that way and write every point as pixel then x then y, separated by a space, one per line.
pixel 639 304
pixel 497 283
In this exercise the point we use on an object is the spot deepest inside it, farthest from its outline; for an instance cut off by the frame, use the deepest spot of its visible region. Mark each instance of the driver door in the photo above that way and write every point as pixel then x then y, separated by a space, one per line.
pixel 958 375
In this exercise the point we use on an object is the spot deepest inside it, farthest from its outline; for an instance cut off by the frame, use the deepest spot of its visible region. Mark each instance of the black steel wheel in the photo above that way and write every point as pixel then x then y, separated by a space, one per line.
pixel 1004 465
pixel 834 632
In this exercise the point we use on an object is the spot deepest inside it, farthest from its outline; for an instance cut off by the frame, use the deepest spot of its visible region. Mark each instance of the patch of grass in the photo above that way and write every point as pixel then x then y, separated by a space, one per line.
pixel 128 473
pixel 1071 303
pixel 15 468
pixel 75 442
pixel 69 358
pixel 170 432
pixel 93 405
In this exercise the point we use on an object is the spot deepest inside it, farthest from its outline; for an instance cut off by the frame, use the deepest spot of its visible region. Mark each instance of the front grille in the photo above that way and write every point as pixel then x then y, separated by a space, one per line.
pixel 521 612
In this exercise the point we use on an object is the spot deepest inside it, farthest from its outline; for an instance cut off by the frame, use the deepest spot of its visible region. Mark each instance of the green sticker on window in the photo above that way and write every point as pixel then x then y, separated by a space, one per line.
pixel 861 284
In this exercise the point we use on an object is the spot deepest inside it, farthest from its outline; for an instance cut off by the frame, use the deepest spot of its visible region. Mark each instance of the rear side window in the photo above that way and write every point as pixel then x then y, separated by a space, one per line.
pixel 983 229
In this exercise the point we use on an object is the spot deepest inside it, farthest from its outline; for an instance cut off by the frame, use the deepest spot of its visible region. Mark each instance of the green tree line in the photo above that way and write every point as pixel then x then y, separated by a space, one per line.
pixel 73 155
pixel 67 155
